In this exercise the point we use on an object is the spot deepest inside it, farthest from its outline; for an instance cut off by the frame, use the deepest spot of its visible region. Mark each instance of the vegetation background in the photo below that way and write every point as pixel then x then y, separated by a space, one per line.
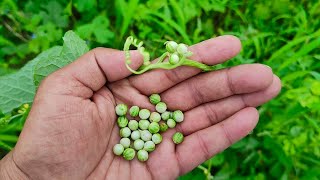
pixel 280 33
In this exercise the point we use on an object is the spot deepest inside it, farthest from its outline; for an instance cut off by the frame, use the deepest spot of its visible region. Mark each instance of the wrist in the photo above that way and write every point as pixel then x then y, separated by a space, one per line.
pixel 9 169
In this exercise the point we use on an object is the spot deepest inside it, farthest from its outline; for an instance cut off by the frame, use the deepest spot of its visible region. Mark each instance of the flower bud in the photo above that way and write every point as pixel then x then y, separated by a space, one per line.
pixel 174 58
pixel 182 49
pixel 171 46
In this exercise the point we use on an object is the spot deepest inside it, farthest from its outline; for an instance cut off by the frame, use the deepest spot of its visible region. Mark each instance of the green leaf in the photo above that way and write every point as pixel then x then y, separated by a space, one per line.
pixel 18 88
pixel 73 48
pixel 85 5
pixel 194 174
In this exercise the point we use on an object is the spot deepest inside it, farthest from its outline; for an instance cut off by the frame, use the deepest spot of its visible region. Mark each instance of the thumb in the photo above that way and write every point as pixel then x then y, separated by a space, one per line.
pixel 90 72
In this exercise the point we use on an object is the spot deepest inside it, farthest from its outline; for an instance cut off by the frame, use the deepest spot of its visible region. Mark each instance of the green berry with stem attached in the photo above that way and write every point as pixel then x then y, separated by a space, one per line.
pixel 121 109
pixel 171 123
pixel 135 135
pixel 149 146
pixel 145 135
pixel 122 121
pixel 144 114
pixel 155 98
pixel 133 125
pixel 161 107
pixel 125 142
pixel 174 58
pixel 156 138
pixel 155 117
pixel 125 132
pixel 182 49
pixel 118 149
pixel 171 46
pixel 138 144
pixel 144 124
pixel 134 111
pixel 178 116
pixel 166 115
pixel 177 137
pixel 163 127
pixel 142 155
pixel 154 127
pixel 128 154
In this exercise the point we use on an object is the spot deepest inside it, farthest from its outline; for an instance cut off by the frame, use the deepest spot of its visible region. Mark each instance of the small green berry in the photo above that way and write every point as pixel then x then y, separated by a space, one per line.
pixel 156 138
pixel 135 135
pixel 125 132
pixel 155 117
pixel 178 116
pixel 133 125
pixel 118 149
pixel 138 144
pixel 149 146
pixel 154 127
pixel 144 114
pixel 171 123
pixel 145 135
pixel 134 111
pixel 121 109
pixel 144 124
pixel 122 121
pixel 182 49
pixel 177 137
pixel 171 46
pixel 155 98
pixel 128 154
pixel 174 58
pixel 166 115
pixel 125 142
pixel 163 127
pixel 142 155
pixel 161 107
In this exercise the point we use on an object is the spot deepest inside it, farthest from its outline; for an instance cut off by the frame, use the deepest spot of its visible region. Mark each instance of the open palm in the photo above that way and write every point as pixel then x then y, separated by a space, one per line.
pixel 71 128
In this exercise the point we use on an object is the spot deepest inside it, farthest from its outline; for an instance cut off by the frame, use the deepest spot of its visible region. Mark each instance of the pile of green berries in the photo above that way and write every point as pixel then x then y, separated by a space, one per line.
pixel 141 137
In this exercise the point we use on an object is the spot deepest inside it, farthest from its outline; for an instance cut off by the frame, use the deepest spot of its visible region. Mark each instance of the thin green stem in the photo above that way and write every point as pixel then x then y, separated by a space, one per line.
pixel 163 57
pixel 199 65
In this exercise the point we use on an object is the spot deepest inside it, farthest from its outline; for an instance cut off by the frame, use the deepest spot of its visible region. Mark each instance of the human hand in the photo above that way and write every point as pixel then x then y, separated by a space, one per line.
pixel 71 128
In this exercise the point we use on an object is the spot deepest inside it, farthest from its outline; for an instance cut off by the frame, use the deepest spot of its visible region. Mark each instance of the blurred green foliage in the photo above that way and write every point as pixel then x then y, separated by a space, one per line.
pixel 280 33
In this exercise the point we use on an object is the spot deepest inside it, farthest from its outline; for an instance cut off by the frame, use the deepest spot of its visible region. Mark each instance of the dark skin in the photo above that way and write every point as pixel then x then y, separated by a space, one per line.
pixel 71 128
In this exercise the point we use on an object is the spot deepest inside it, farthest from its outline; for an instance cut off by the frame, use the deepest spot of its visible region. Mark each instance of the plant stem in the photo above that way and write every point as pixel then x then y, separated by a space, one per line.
pixel 203 67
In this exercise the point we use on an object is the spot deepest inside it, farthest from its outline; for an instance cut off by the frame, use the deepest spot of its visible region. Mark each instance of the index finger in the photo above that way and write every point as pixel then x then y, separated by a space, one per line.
pixel 211 52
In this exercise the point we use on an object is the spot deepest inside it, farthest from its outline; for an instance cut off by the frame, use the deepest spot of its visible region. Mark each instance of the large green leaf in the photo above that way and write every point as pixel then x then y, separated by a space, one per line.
pixel 73 48
pixel 18 88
